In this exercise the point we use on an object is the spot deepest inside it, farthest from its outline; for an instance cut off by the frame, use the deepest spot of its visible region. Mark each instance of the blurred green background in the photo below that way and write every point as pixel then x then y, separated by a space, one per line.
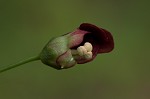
pixel 27 25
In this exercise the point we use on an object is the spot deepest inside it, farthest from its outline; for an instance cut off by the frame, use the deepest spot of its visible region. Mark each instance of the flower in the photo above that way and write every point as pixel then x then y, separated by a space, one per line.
pixel 78 47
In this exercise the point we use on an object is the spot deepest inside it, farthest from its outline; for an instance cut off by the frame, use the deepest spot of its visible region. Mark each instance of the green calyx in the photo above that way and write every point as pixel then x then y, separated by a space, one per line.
pixel 56 53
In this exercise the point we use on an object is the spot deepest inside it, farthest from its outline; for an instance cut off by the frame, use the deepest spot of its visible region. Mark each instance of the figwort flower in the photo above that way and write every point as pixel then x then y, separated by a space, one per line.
pixel 77 47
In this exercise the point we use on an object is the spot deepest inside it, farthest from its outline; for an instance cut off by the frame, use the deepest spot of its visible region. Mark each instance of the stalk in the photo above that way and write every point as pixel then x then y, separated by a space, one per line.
pixel 31 59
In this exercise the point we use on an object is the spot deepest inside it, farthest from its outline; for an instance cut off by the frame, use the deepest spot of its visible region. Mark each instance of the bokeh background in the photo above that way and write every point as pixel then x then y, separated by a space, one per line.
pixel 27 25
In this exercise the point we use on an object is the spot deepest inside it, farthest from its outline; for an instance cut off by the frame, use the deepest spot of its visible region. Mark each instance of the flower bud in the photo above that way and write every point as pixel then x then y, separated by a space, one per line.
pixel 77 47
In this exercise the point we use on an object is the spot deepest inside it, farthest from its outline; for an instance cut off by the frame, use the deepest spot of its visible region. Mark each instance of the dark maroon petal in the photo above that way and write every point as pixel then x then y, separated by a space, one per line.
pixel 103 38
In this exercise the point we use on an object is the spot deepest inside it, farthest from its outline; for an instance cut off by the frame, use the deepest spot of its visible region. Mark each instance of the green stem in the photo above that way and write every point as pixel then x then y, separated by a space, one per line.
pixel 20 63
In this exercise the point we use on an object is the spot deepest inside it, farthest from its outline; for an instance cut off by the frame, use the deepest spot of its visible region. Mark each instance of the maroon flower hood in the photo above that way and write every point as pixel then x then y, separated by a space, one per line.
pixel 101 40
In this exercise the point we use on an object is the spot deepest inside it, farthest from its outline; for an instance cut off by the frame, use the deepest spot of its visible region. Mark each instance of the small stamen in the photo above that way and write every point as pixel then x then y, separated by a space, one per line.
pixel 88 46
pixel 81 50
pixel 88 55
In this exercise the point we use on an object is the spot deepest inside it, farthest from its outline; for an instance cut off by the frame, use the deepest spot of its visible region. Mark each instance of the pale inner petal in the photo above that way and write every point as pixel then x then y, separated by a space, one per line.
pixel 84 51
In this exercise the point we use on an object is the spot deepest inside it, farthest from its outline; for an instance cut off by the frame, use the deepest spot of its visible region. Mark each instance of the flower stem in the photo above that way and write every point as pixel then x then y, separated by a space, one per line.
pixel 20 63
